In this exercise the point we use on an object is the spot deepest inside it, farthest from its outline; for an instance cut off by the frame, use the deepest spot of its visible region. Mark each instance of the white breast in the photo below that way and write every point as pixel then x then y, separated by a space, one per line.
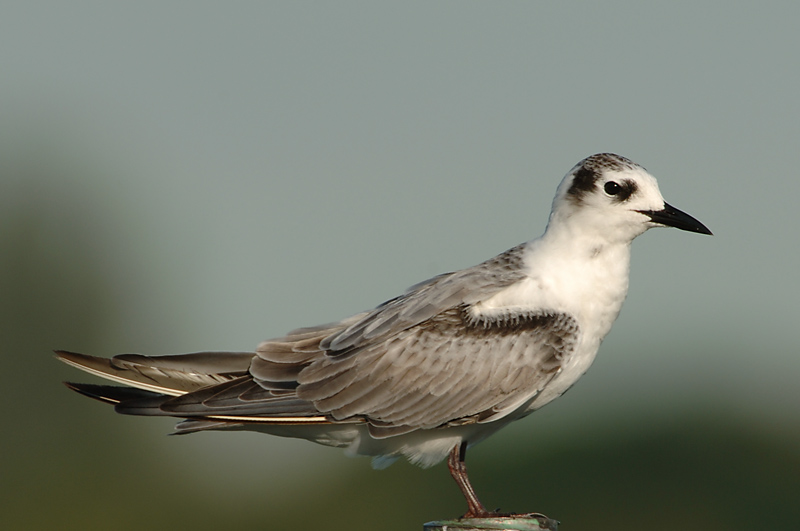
pixel 589 283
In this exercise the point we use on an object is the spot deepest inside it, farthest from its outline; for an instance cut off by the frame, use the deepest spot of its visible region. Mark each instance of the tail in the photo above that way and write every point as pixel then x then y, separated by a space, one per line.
pixel 168 375
pixel 211 390
pixel 111 394
pixel 150 381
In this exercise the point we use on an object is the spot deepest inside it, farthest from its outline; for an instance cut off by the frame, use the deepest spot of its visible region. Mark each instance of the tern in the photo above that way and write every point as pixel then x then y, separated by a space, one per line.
pixel 434 371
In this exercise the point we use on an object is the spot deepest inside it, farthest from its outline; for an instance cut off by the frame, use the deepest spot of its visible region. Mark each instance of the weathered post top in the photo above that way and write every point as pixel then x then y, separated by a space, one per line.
pixel 528 522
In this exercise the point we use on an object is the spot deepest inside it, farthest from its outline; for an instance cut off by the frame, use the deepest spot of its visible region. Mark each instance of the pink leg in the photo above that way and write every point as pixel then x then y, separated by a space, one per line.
pixel 458 469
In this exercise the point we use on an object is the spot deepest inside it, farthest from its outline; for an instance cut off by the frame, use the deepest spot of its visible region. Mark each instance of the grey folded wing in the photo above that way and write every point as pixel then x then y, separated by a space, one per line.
pixel 416 361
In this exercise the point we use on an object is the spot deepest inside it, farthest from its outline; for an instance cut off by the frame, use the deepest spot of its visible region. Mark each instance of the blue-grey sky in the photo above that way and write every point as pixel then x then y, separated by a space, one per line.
pixel 235 170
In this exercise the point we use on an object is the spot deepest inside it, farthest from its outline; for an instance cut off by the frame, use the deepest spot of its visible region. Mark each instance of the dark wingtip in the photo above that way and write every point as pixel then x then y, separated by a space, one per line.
pixel 93 391
pixel 113 394
pixel 70 357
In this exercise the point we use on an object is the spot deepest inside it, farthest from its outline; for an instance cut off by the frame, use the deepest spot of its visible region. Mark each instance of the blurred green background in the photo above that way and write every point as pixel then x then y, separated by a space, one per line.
pixel 182 176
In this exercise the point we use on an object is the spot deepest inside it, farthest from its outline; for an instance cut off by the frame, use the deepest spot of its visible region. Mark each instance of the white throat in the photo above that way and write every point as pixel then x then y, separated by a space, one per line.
pixel 582 274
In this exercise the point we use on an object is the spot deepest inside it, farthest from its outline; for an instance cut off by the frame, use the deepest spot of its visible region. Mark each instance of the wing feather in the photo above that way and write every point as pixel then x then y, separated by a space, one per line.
pixel 473 369
pixel 171 375
pixel 415 362
pixel 426 300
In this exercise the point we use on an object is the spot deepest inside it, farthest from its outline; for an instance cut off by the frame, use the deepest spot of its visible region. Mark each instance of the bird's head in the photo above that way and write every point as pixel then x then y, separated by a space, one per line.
pixel 610 195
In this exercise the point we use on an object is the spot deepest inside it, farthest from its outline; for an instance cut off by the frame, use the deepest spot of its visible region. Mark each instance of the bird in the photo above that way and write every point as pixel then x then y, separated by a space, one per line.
pixel 432 372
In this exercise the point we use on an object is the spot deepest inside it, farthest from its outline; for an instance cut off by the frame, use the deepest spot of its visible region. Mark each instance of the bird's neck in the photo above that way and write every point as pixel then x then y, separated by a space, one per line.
pixel 579 272
pixel 582 272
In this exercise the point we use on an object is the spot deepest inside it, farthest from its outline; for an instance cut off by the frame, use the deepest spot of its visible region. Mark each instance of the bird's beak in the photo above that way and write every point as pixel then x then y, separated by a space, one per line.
pixel 670 216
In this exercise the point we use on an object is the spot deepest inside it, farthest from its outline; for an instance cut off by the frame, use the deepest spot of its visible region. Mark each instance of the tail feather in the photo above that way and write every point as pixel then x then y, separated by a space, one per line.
pixel 132 401
pixel 188 386
pixel 169 375
pixel 112 394
pixel 194 425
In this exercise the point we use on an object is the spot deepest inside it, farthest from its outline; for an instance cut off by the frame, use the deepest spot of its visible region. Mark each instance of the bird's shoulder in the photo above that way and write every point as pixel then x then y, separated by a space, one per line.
pixel 435 296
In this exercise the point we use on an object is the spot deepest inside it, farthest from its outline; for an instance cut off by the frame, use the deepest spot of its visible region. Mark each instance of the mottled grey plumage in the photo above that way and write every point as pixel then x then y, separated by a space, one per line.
pixel 442 366
pixel 414 362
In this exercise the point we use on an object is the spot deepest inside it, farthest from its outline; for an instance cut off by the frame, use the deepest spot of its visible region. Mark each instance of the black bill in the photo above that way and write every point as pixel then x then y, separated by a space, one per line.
pixel 672 217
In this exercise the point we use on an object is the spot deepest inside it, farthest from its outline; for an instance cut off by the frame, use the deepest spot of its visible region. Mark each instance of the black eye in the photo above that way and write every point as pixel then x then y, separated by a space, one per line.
pixel 612 188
